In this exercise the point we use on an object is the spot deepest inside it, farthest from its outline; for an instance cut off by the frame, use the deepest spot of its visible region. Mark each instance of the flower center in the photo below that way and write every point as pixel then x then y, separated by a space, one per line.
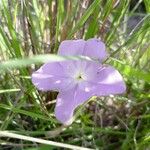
pixel 79 77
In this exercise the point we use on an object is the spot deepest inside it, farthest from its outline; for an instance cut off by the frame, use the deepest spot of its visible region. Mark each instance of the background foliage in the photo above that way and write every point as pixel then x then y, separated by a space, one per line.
pixel 29 30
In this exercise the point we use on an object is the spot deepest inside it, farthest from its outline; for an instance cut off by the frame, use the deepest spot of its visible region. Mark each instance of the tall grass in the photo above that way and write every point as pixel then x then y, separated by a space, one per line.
pixel 30 33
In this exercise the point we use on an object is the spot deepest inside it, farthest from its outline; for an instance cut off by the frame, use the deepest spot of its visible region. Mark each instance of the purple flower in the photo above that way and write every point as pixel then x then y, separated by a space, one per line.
pixel 77 81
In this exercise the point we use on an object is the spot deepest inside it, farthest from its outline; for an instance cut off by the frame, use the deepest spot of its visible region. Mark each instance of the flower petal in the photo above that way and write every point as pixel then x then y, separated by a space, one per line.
pixel 71 47
pixel 95 48
pixel 67 102
pixel 109 81
pixel 87 68
pixel 92 48
pixel 51 77
pixel 69 67
pixel 90 69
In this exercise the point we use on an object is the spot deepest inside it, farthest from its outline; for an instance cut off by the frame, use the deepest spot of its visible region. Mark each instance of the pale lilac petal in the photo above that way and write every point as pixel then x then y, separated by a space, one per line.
pixel 87 87
pixel 95 48
pixel 109 81
pixel 90 69
pixel 51 77
pixel 71 47
pixel 46 83
pixel 67 102
pixel 69 68
pixel 87 68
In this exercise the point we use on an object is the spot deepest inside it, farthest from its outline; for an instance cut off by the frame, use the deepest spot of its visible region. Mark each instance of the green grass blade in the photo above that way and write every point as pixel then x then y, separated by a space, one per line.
pixel 84 18
pixel 18 63
pixel 130 72
pixel 25 112
pixel 9 90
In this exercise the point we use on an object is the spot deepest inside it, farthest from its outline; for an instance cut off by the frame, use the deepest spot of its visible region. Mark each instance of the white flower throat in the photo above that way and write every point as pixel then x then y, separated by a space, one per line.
pixel 80 76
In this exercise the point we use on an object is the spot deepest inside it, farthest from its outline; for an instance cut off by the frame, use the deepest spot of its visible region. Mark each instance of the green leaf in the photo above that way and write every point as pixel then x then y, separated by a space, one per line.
pixel 27 113
pixel 15 42
pixel 147 5
pixel 84 18
pixel 129 71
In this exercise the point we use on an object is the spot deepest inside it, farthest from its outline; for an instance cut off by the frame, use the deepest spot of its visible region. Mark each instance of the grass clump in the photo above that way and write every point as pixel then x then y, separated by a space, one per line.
pixel 30 33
